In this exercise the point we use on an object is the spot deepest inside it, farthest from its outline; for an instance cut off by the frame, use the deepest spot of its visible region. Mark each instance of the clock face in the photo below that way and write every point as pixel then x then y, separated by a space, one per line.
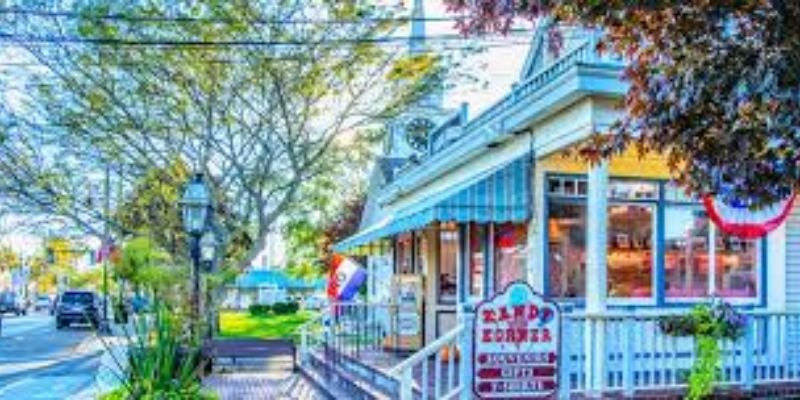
pixel 417 132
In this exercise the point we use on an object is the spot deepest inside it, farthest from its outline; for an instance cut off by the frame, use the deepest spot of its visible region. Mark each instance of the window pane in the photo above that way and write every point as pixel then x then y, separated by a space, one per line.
pixel 630 255
pixel 448 259
pixel 566 233
pixel 632 190
pixel 675 193
pixel 736 266
pixel 510 252
pixel 404 254
pixel 686 250
pixel 421 249
pixel 477 250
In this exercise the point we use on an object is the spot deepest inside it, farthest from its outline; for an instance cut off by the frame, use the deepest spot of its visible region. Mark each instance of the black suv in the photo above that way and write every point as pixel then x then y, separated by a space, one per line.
pixel 10 304
pixel 77 306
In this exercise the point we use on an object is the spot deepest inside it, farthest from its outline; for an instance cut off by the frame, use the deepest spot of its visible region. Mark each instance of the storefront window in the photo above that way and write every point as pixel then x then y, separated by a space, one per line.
pixel 690 267
pixel 404 254
pixel 630 251
pixel 698 260
pixel 477 258
pixel 686 248
pixel 420 250
pixel 448 261
pixel 566 228
pixel 510 254
pixel 736 263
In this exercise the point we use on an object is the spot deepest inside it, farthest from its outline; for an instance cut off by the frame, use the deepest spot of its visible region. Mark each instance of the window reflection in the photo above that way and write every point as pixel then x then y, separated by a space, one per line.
pixel 448 260
pixel 566 232
pixel 686 250
pixel 477 251
pixel 736 262
pixel 630 255
pixel 510 249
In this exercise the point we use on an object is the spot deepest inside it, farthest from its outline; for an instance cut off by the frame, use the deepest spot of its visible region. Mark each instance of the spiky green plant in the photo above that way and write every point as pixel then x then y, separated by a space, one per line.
pixel 163 361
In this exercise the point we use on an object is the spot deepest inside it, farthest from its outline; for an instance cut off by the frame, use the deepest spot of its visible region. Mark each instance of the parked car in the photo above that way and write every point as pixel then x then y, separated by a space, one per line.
pixel 11 303
pixel 42 302
pixel 77 306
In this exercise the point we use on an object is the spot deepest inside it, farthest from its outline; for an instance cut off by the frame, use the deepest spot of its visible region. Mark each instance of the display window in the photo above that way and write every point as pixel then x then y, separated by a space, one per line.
pixel 510 254
pixel 477 259
pixel 404 257
pixel 448 263
pixel 629 255
pixel 699 261
pixel 686 248
pixel 566 233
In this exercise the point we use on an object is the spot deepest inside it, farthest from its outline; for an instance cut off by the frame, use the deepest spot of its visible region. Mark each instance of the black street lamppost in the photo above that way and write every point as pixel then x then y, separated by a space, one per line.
pixel 196 204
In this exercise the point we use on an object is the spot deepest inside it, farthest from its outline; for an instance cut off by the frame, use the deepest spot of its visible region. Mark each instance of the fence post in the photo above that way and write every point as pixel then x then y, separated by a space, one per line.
pixel 303 343
pixel 628 356
pixel 407 384
pixel 749 348
pixel 564 361
pixel 467 321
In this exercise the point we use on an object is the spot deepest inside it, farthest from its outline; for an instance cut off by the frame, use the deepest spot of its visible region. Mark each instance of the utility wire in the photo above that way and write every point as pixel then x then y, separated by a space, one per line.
pixel 213 20
pixel 121 42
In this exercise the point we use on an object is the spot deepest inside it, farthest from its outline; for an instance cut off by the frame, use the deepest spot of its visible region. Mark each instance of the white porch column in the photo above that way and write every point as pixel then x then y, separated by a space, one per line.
pixel 596 276
pixel 776 270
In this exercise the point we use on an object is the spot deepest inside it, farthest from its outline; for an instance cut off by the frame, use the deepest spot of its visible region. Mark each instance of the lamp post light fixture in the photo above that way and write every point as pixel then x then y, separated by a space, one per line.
pixel 196 203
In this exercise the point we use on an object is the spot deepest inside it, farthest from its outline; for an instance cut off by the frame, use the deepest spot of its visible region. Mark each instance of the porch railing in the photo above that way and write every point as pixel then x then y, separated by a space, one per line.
pixel 442 356
pixel 627 352
pixel 350 329
pixel 616 351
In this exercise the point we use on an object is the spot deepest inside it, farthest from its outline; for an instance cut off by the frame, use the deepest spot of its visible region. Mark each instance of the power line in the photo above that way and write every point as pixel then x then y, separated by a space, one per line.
pixel 188 19
pixel 62 39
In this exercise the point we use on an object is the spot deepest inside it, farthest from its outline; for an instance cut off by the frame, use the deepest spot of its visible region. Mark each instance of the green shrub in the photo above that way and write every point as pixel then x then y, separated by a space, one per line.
pixel 285 308
pixel 260 310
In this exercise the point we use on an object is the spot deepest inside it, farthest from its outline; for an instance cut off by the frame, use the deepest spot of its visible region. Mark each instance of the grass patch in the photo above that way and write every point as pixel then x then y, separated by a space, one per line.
pixel 241 324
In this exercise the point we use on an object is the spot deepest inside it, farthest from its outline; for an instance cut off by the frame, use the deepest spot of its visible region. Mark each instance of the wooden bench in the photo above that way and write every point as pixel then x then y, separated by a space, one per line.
pixel 234 349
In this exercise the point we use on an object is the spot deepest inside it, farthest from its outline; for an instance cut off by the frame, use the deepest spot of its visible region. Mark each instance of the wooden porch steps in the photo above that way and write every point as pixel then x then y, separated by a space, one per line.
pixel 339 380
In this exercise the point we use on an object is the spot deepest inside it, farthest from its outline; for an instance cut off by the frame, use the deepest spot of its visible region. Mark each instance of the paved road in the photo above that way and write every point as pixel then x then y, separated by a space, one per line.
pixel 39 362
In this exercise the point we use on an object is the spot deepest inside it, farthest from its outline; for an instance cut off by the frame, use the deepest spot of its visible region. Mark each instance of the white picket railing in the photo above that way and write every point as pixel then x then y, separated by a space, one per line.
pixel 441 383
pixel 626 352
pixel 616 351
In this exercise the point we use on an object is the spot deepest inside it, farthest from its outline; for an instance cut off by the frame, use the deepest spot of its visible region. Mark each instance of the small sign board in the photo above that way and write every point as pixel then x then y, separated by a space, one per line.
pixel 515 352
pixel 407 295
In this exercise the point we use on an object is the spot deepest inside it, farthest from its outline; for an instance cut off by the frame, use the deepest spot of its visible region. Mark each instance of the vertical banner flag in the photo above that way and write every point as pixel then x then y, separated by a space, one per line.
pixel 345 278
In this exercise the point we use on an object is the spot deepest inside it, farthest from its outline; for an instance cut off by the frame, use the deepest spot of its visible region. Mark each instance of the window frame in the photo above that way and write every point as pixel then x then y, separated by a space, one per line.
pixel 660 204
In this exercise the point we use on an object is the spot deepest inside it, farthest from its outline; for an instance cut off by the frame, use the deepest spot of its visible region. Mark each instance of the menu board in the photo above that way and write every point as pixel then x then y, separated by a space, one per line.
pixel 516 345
pixel 407 296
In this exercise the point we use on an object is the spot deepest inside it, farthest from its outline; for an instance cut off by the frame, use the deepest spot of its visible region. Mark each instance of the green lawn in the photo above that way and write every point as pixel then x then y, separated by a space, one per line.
pixel 235 324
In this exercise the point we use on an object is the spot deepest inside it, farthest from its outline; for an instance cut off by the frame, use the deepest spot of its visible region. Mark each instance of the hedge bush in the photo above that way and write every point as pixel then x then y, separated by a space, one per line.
pixel 285 308
pixel 277 308
pixel 259 309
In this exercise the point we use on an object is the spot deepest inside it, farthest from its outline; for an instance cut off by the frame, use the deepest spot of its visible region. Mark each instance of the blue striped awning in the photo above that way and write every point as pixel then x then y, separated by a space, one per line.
pixel 502 196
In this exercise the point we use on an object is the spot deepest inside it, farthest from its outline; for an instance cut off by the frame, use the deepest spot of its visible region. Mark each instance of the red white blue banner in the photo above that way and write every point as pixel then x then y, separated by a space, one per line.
pixel 744 222
pixel 345 278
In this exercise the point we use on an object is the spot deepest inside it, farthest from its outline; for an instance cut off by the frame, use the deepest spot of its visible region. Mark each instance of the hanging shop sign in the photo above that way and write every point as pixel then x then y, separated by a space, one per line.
pixel 515 352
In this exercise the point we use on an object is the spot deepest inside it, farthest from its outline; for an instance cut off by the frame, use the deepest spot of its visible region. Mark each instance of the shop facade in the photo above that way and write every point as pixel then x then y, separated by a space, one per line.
pixel 492 200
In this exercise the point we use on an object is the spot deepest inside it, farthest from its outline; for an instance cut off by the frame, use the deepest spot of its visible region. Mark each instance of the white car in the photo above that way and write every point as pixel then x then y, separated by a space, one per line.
pixel 42 302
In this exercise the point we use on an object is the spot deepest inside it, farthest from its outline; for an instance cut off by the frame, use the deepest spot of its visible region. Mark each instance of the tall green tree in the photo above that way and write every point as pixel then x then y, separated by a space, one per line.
pixel 713 84
pixel 256 95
